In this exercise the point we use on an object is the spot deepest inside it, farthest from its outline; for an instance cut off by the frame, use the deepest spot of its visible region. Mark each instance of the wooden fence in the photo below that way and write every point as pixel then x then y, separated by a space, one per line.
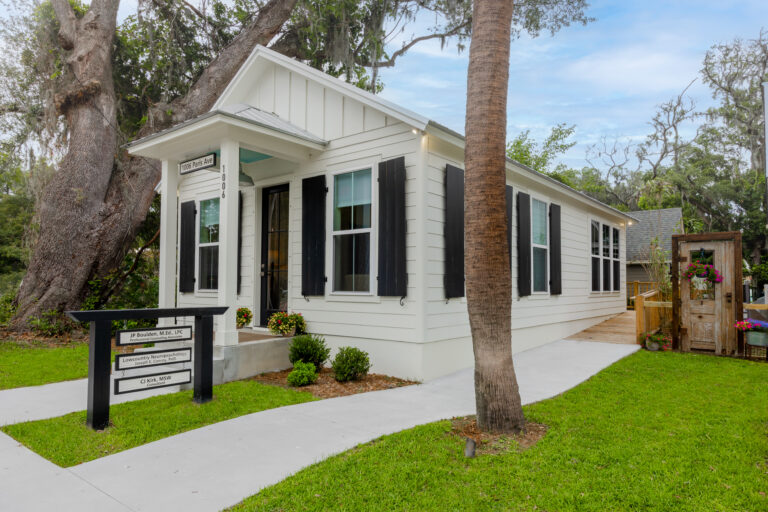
pixel 635 288
pixel 650 315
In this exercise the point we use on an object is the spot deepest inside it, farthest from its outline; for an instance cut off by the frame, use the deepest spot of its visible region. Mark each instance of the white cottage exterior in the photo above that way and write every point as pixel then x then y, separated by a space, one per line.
pixel 329 201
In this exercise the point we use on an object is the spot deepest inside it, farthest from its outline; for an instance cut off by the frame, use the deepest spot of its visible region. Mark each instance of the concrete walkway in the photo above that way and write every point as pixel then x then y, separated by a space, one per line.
pixel 51 400
pixel 217 466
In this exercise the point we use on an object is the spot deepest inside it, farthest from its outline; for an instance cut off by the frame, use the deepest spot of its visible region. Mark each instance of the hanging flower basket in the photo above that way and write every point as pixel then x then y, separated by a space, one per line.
pixel 705 271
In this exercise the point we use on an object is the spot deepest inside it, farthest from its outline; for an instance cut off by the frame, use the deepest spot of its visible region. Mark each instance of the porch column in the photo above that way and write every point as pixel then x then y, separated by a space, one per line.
pixel 226 329
pixel 168 236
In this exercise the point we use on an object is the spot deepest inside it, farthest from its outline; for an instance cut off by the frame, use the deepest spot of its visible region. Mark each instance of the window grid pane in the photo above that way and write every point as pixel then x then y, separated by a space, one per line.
pixel 209 221
pixel 539 222
pixel 539 269
pixel 351 262
pixel 352 200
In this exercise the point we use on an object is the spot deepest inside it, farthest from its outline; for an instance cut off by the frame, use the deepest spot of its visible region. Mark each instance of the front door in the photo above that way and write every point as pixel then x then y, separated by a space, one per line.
pixel 274 251
pixel 707 309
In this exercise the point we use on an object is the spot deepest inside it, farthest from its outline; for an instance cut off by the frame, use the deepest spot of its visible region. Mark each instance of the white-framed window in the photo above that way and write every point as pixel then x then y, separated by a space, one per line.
pixel 539 246
pixel 604 257
pixel 352 232
pixel 208 244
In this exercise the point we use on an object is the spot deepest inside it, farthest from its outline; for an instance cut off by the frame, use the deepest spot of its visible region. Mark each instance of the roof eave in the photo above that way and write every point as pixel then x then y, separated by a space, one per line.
pixel 455 138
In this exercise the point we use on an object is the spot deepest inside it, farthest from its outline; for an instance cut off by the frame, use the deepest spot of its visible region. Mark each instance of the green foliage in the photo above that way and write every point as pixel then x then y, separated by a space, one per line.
pixel 541 157
pixel 303 374
pixel 759 275
pixel 51 324
pixel 309 348
pixel 7 307
pixel 630 438
pixel 350 363
pixel 67 441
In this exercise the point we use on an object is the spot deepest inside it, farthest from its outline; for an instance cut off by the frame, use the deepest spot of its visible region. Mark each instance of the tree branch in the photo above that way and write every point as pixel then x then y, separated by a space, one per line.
pixel 119 281
pixel 67 23
pixel 399 53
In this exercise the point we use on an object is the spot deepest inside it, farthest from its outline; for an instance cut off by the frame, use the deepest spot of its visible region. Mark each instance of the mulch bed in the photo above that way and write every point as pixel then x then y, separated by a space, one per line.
pixel 33 338
pixel 327 387
pixel 494 444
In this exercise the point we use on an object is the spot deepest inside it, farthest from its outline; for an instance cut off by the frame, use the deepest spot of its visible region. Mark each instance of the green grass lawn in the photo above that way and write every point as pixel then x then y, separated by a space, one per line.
pixel 67 441
pixel 34 363
pixel 656 431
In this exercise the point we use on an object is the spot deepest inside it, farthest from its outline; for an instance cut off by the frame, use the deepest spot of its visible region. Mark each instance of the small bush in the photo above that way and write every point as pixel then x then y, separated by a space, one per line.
pixel 7 308
pixel 303 374
pixel 309 349
pixel 51 323
pixel 350 364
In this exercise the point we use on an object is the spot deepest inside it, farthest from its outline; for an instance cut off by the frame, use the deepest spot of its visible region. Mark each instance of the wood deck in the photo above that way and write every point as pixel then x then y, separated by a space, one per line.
pixel 619 329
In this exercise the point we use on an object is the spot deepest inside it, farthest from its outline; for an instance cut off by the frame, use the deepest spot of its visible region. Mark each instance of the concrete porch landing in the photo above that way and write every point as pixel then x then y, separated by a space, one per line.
pixel 619 329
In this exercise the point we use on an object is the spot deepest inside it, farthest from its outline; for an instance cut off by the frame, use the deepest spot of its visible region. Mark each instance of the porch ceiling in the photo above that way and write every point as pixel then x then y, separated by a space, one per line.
pixel 257 133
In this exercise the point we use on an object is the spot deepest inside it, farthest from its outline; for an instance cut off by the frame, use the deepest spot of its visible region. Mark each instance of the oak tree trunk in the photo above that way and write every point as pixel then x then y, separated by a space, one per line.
pixel 99 196
pixel 487 259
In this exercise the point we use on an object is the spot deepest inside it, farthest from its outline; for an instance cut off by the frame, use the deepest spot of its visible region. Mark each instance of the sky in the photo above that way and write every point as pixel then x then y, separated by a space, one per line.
pixel 606 78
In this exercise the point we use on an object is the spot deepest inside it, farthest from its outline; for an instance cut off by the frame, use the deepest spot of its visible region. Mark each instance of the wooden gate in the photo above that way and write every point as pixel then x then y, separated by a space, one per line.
pixel 703 313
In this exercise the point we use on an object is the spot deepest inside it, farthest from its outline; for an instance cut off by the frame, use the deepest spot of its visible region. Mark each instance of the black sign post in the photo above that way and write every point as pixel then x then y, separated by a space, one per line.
pixel 100 349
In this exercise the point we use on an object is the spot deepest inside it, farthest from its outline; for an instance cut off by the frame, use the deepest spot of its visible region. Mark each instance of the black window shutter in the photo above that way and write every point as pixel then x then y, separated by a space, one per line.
pixel 313 192
pixel 616 276
pixel 523 244
pixel 509 222
pixel 454 232
pixel 239 238
pixel 555 257
pixel 393 279
pixel 187 247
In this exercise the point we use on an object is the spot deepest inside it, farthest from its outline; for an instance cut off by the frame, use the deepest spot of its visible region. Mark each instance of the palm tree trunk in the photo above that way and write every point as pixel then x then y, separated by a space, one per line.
pixel 487 263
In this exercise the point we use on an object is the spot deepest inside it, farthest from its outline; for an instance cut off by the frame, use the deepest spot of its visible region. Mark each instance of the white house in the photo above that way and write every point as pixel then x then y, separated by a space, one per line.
pixel 324 199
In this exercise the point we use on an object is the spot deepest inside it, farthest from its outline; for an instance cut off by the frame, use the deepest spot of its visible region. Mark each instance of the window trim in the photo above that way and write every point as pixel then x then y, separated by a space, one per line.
pixel 198 219
pixel 600 255
pixel 373 230
pixel 546 247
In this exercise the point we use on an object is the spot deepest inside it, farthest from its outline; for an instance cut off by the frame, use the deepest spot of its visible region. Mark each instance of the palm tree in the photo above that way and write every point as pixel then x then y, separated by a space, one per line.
pixel 487 264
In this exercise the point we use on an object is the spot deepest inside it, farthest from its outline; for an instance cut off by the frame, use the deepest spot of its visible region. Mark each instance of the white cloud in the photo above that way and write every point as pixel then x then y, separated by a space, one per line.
pixel 634 70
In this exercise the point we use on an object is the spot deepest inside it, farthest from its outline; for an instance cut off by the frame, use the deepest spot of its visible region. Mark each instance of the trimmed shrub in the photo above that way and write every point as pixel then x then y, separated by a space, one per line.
pixel 303 374
pixel 309 349
pixel 350 364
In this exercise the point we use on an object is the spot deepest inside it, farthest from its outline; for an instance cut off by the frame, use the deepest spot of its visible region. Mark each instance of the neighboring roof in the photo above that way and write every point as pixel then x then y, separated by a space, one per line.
pixel 242 112
pixel 661 224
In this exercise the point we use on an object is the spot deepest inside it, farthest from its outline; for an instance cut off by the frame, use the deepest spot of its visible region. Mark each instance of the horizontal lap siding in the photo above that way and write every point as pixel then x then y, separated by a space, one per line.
pixel 368 317
pixel 450 321
pixel 205 185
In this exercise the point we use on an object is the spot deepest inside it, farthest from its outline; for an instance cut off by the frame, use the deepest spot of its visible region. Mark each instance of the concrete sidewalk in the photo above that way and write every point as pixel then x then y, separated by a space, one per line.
pixel 217 466
pixel 50 400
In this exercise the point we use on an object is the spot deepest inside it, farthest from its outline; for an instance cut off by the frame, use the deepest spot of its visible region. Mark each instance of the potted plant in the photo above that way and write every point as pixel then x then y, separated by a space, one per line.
pixel 282 323
pixel 754 331
pixel 658 340
pixel 706 271
pixel 243 317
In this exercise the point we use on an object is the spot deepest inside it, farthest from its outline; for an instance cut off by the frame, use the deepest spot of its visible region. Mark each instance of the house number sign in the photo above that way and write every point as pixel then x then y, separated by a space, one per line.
pixel 198 164
pixel 223 181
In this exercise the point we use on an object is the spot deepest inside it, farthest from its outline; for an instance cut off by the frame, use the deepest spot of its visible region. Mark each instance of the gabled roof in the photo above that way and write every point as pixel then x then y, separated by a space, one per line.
pixel 661 224
pixel 366 98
